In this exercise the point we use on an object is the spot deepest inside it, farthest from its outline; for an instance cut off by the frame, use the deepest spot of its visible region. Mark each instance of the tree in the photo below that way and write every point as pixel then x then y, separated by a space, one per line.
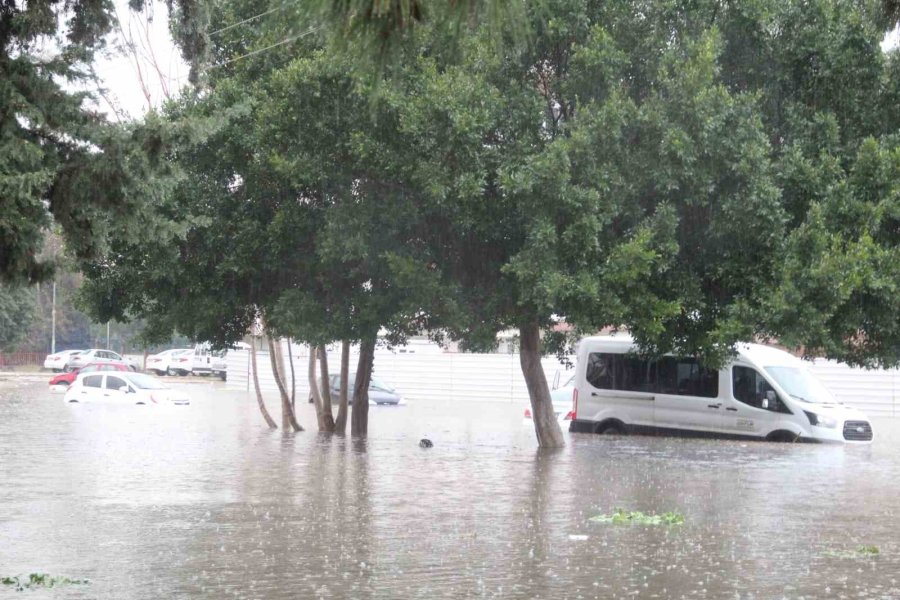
pixel 60 161
pixel 16 313
pixel 639 167
pixel 671 169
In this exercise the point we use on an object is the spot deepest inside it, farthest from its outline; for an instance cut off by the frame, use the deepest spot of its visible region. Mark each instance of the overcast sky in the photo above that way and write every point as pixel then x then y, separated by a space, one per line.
pixel 147 68
pixel 142 66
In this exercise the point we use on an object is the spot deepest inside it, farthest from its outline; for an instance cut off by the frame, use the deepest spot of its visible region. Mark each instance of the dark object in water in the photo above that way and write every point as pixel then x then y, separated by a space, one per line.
pixel 425 443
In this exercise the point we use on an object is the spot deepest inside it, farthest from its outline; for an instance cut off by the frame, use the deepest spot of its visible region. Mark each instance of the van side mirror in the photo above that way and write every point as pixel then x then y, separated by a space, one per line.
pixel 770 399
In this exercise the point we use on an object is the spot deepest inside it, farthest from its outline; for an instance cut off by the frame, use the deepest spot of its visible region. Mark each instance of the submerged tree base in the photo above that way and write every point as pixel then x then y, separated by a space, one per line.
pixel 40 580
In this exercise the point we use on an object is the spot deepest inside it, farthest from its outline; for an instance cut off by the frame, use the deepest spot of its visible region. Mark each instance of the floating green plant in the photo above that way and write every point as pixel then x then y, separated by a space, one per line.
pixel 39 580
pixel 620 516
pixel 861 551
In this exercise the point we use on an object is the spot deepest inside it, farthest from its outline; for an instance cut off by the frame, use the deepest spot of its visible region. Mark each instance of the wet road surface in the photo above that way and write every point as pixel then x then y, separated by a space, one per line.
pixel 205 502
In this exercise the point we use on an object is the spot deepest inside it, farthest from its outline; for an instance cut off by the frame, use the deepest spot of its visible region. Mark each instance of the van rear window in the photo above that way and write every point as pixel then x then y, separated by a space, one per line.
pixel 668 375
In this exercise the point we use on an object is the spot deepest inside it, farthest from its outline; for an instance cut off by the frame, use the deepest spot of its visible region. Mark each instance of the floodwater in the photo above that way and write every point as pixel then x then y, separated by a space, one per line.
pixel 205 502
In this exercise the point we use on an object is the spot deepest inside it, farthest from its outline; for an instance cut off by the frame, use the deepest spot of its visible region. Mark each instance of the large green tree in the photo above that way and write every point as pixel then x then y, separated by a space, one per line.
pixel 700 173
pixel 60 160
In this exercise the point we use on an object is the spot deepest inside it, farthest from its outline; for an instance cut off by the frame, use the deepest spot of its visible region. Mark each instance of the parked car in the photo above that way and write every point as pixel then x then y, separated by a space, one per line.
pixel 181 363
pixel 563 399
pixel 161 363
pixel 379 392
pixel 60 360
pixel 97 355
pixel 66 379
pixel 123 388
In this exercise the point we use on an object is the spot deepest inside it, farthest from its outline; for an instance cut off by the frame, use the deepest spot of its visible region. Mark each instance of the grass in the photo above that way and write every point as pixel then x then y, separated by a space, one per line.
pixel 39 580
pixel 620 516
pixel 861 551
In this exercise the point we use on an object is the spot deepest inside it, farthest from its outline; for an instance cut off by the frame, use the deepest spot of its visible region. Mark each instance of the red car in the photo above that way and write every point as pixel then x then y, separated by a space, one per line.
pixel 67 378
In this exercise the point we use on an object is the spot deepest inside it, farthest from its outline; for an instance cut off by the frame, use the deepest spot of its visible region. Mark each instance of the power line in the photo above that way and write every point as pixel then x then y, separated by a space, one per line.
pixel 247 20
pixel 261 50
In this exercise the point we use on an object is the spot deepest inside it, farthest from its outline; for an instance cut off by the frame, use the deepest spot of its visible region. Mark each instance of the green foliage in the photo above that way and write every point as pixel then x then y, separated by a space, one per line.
pixel 62 163
pixel 620 516
pixel 39 580
pixel 16 315
pixel 862 551
pixel 699 174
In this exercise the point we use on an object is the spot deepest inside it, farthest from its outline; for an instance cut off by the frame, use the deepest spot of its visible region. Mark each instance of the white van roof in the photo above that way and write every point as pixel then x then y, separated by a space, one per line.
pixel 756 354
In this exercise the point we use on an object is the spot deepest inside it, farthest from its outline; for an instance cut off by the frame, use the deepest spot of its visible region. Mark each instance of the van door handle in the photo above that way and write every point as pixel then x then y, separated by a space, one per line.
pixel 713 405
pixel 731 408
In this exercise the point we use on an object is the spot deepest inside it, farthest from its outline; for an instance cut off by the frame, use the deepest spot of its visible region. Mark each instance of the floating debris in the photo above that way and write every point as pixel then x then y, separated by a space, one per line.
pixel 861 551
pixel 39 580
pixel 620 516
pixel 425 443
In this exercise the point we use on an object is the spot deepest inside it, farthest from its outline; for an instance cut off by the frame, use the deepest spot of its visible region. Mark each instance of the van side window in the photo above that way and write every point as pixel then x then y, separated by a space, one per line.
pixel 668 375
pixel 599 370
pixel 685 377
pixel 749 387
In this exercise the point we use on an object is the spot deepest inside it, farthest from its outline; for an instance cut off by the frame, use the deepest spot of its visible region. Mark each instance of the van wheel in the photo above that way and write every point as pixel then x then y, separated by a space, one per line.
pixel 783 436
pixel 610 427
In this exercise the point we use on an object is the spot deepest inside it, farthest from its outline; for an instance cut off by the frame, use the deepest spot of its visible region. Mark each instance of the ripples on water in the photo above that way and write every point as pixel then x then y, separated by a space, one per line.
pixel 204 502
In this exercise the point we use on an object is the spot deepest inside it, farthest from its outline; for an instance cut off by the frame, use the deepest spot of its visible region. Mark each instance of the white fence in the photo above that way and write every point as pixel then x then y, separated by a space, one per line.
pixel 498 377
pixel 875 392
pixel 441 376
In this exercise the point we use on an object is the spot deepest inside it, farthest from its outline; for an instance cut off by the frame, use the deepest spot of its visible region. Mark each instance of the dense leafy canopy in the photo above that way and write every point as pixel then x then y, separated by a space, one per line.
pixel 60 160
pixel 701 174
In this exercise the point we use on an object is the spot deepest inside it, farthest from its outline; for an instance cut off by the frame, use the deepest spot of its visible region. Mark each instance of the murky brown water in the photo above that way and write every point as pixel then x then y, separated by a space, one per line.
pixel 204 502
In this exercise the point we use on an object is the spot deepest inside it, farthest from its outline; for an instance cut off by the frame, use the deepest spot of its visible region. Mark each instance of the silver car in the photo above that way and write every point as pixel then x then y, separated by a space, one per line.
pixel 97 355
pixel 379 392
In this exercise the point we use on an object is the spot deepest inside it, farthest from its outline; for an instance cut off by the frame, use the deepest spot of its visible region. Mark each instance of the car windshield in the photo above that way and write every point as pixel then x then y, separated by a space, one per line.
pixel 380 386
pixel 801 385
pixel 145 382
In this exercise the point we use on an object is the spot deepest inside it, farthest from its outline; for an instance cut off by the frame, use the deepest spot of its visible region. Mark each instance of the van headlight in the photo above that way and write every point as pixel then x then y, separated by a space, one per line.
pixel 821 420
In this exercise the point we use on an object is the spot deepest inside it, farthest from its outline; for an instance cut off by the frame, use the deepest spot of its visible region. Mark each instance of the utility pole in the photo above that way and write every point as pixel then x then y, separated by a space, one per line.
pixel 107 335
pixel 53 322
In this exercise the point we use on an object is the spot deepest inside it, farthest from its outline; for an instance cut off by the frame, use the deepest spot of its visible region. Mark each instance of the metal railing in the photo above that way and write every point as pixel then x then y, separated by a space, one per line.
pixel 21 359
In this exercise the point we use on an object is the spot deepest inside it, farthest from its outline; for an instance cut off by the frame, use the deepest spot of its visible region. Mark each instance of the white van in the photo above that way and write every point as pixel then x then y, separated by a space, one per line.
pixel 762 393
pixel 203 357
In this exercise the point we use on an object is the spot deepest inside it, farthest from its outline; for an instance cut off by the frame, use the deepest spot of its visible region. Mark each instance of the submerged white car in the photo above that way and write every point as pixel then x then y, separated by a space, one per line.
pixel 123 388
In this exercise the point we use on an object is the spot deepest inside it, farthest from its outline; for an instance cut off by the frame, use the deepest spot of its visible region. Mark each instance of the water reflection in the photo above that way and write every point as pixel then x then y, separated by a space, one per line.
pixel 204 502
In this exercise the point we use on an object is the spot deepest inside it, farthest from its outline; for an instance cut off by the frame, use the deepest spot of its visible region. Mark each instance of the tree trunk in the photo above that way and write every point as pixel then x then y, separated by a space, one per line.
pixel 288 420
pixel 340 425
pixel 549 435
pixel 359 418
pixel 314 387
pixel 259 399
pixel 327 415
pixel 293 377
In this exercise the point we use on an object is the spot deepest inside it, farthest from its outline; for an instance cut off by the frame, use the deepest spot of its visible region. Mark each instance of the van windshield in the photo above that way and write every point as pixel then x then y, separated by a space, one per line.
pixel 801 385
